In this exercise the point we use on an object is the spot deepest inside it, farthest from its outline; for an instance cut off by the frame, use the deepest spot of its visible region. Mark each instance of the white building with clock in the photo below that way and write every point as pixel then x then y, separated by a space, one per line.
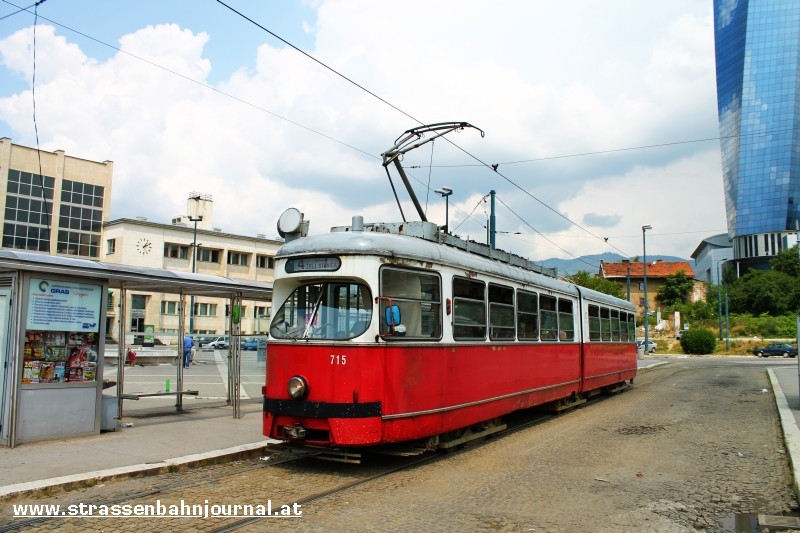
pixel 172 247
pixel 59 205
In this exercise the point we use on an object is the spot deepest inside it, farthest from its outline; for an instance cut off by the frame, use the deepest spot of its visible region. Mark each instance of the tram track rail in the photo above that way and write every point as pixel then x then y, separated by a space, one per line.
pixel 335 490
pixel 430 457
pixel 526 420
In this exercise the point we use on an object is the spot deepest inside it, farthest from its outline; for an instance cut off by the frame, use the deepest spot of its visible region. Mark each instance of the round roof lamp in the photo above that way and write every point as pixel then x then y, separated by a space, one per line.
pixel 290 221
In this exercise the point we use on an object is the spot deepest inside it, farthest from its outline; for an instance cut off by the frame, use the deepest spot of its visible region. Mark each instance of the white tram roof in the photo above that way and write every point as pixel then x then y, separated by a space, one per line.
pixel 423 242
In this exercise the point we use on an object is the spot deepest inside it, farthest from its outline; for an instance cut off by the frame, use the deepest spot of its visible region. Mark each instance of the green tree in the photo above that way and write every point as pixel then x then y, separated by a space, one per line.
pixel 787 262
pixel 764 292
pixel 675 290
pixel 586 279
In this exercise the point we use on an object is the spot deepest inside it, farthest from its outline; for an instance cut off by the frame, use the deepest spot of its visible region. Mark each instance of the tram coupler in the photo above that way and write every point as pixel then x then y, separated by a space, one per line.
pixel 296 432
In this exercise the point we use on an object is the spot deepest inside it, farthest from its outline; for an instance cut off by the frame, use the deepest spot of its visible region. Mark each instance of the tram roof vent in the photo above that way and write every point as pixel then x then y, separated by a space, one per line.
pixel 430 232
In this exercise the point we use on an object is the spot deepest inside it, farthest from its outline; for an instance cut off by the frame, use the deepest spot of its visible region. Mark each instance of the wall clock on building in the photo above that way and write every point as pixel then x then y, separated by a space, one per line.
pixel 144 246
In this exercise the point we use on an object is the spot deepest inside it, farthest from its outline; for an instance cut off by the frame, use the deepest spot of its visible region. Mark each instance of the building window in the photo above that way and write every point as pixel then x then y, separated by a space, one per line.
pixel 80 219
pixel 237 258
pixel 265 261
pixel 202 309
pixel 111 246
pixel 262 311
pixel 29 207
pixel 206 255
pixel 176 251
pixel 169 308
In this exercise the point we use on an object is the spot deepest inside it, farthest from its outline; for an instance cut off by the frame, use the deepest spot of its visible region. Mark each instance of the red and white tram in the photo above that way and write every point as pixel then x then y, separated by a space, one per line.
pixel 388 333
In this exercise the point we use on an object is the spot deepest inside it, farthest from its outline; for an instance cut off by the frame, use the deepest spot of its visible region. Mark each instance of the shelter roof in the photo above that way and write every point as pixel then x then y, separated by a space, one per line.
pixel 136 277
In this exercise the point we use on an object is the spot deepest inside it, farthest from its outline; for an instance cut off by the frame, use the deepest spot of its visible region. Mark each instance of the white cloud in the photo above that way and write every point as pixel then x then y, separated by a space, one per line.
pixel 542 80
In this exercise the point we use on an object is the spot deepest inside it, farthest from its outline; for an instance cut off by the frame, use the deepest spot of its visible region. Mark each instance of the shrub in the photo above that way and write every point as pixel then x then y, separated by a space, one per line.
pixel 698 341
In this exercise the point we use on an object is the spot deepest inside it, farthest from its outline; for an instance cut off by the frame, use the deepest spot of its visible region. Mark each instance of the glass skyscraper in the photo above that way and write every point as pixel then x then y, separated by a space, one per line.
pixel 758 99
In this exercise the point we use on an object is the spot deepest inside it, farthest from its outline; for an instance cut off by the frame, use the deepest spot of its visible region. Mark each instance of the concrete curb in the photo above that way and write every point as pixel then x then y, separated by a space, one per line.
pixel 791 433
pixel 244 451
pixel 654 365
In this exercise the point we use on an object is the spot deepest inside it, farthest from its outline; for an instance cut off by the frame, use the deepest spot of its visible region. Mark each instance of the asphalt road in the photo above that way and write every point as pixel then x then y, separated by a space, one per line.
pixel 694 445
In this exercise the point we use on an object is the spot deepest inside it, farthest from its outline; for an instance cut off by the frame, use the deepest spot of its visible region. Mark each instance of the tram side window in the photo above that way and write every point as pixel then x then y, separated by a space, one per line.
pixel 631 327
pixel 527 316
pixel 605 324
pixel 469 309
pixel 623 326
pixel 566 320
pixel 549 317
pixel 615 325
pixel 501 312
pixel 594 323
pixel 418 297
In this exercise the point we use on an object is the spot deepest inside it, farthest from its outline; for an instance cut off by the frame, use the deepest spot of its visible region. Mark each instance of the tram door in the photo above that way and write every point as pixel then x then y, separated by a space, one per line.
pixel 5 364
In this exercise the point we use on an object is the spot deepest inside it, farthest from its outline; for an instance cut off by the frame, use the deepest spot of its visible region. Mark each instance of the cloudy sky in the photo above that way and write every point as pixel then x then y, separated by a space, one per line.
pixel 600 115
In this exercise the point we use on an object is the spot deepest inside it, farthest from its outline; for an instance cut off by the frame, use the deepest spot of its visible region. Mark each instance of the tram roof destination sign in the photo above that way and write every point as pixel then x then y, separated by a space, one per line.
pixel 55 305
pixel 313 264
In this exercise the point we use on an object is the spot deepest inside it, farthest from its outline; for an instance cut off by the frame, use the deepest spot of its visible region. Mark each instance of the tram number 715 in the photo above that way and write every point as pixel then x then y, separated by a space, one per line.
pixel 338 359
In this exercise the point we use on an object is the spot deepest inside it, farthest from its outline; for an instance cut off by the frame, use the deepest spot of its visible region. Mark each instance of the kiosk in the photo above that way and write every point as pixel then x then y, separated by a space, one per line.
pixel 52 339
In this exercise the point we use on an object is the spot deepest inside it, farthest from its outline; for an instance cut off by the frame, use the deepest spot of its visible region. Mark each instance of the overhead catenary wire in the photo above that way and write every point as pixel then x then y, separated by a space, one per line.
pixel 44 211
pixel 202 84
pixel 320 62
pixel 493 167
pixel 21 9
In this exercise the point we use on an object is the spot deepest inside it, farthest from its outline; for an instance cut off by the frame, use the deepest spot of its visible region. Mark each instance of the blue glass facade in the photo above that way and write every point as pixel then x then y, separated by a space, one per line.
pixel 758 98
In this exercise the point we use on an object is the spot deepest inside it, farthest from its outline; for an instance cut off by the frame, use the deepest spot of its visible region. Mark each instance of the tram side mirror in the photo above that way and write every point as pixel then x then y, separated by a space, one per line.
pixel 393 321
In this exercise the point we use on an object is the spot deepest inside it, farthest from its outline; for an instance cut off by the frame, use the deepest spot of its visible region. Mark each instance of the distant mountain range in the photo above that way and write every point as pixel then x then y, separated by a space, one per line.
pixel 591 263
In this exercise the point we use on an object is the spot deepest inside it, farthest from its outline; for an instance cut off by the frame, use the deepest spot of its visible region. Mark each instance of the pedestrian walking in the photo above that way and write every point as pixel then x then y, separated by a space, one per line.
pixel 188 343
pixel 131 357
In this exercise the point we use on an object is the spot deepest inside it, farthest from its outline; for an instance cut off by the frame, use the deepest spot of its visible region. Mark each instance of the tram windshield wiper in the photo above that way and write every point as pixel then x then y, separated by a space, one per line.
pixel 314 313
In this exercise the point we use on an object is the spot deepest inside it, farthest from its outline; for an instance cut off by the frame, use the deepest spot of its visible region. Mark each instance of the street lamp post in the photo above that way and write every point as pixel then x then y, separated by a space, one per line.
pixel 628 277
pixel 727 324
pixel 719 306
pixel 644 274
pixel 194 263
pixel 719 296
pixel 445 193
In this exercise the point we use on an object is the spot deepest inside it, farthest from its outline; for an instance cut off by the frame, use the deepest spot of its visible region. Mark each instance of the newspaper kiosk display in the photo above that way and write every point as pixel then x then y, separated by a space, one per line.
pixel 59 356
pixel 61 336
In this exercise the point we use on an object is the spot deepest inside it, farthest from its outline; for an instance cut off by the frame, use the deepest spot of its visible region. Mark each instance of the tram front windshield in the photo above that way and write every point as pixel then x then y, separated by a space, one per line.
pixel 332 310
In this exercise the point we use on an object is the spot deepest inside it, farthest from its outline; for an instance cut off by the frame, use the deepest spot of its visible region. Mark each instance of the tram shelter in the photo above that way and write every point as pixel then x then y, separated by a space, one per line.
pixel 53 332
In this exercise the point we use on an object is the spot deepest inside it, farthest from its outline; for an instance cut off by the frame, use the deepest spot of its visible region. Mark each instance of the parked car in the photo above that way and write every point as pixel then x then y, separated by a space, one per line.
pixel 201 341
pixel 784 350
pixel 220 343
pixel 254 344
pixel 651 346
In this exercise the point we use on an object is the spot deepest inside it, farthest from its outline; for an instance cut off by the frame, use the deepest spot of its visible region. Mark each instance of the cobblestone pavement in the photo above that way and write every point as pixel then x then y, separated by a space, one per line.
pixel 691 447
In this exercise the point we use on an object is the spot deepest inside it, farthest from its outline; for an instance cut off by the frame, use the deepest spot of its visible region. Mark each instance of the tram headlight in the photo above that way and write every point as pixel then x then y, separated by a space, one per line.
pixel 297 387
